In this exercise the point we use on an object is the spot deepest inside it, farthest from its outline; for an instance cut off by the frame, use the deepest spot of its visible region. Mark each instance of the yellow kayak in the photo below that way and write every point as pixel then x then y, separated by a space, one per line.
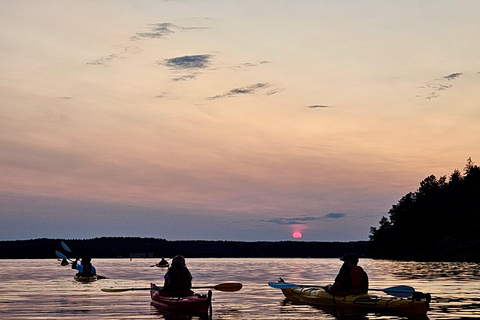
pixel 318 296
pixel 85 279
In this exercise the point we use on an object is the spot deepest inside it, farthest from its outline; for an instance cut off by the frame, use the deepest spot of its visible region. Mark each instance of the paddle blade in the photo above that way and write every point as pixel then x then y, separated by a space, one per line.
pixel 397 291
pixel 65 246
pixel 282 285
pixel 228 286
pixel 60 255
pixel 400 291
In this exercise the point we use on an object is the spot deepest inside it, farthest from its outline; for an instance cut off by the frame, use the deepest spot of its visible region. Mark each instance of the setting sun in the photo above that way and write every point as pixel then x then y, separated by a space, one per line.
pixel 297 234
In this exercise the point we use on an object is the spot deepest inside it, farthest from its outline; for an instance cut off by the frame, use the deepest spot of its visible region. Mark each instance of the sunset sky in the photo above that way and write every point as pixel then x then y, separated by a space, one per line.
pixel 229 120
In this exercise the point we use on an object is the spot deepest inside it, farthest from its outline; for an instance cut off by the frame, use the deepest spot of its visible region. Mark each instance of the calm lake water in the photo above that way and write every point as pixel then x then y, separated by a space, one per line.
pixel 42 289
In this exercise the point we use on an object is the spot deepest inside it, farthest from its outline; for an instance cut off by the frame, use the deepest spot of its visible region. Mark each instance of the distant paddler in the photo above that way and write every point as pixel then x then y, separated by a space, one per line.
pixel 86 271
pixel 163 263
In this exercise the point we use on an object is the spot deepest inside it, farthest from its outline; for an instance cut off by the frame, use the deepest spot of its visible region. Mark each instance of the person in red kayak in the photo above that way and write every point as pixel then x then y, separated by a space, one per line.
pixel 178 279
pixel 351 278
pixel 85 269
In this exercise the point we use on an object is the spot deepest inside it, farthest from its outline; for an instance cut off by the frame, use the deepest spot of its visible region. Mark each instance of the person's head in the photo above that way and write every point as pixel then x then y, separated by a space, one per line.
pixel 178 261
pixel 86 260
pixel 351 258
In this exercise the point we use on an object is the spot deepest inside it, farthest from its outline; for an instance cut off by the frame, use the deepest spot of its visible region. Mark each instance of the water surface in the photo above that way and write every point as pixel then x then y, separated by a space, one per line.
pixel 42 289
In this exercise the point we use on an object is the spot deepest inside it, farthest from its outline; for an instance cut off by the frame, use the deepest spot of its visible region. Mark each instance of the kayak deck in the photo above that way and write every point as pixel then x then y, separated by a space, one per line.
pixel 197 303
pixel 318 296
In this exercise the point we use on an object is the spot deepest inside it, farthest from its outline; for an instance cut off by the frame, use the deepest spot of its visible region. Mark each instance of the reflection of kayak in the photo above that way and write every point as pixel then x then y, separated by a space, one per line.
pixel 318 296
pixel 85 278
pixel 197 303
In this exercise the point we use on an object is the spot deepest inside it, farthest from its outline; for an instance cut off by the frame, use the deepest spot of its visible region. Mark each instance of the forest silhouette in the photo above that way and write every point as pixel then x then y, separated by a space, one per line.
pixel 438 222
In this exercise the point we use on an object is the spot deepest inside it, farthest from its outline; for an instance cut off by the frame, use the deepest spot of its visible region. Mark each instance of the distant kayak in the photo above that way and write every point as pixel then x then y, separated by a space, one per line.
pixel 162 265
pixel 198 303
pixel 318 296
pixel 85 279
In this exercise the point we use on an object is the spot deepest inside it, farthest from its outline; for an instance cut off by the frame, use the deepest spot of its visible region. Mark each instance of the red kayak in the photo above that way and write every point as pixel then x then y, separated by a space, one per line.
pixel 197 303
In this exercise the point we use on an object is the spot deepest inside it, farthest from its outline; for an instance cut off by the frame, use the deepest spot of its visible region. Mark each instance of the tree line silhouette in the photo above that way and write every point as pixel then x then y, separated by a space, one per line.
pixel 136 247
pixel 440 221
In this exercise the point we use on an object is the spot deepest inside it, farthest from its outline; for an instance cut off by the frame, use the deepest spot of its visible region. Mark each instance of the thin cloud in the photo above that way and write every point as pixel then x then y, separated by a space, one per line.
pixel 453 76
pixel 185 77
pixel 161 30
pixel 124 52
pixel 157 30
pixel 273 91
pixel 251 89
pixel 317 106
pixel 435 87
pixel 302 220
pixel 200 61
pixel 335 215
pixel 251 64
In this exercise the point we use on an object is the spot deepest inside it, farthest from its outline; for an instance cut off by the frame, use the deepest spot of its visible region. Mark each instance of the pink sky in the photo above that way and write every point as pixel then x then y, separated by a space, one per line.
pixel 232 120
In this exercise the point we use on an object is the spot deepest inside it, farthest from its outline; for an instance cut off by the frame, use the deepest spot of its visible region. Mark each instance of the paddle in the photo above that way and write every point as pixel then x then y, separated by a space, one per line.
pixel 397 291
pixel 68 249
pixel 61 255
pixel 220 287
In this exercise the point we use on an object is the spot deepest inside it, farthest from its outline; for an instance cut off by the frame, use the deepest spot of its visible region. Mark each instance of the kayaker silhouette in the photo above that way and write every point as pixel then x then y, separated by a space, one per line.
pixel 178 279
pixel 85 269
pixel 162 263
pixel 64 262
pixel 351 279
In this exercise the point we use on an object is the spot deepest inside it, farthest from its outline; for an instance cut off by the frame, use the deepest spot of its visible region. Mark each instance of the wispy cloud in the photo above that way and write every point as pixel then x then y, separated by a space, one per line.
pixel 161 30
pixel 453 76
pixel 250 64
pixel 318 106
pixel 155 31
pixel 251 89
pixel 199 61
pixel 122 53
pixel 303 220
pixel 436 86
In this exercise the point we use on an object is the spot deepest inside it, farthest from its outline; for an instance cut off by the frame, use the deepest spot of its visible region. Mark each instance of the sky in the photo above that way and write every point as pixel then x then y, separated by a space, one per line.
pixel 229 120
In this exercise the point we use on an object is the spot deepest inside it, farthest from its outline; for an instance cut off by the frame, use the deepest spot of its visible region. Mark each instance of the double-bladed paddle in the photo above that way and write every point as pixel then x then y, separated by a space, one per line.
pixel 228 286
pixel 68 249
pixel 397 291
pixel 61 255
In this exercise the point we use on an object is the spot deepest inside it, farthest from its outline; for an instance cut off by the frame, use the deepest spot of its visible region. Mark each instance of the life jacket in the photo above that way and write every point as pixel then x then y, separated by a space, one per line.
pixel 87 269
pixel 357 277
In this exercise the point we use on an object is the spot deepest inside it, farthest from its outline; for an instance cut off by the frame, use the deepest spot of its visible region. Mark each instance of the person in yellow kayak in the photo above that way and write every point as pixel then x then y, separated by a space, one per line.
pixel 351 279
pixel 178 279
pixel 85 269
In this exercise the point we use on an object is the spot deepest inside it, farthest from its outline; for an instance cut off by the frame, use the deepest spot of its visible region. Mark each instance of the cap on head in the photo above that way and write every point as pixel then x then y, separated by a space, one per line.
pixel 352 257
pixel 86 260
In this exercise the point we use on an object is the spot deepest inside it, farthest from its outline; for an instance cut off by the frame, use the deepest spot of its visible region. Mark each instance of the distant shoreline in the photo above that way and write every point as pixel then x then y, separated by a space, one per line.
pixel 126 247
